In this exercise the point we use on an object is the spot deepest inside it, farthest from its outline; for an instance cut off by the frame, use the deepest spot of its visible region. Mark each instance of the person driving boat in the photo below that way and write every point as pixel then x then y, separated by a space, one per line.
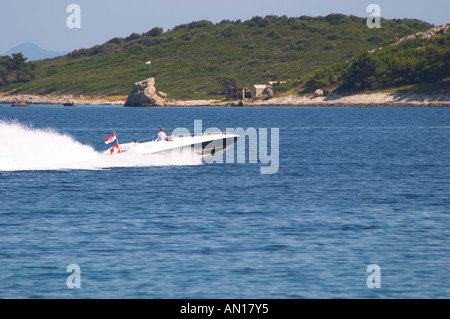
pixel 162 135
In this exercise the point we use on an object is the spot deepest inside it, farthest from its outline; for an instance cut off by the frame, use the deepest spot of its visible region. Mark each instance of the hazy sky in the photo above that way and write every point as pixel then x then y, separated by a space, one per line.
pixel 43 22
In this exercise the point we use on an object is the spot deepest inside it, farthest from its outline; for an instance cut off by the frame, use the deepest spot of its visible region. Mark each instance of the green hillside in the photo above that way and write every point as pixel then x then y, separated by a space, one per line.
pixel 191 61
pixel 419 60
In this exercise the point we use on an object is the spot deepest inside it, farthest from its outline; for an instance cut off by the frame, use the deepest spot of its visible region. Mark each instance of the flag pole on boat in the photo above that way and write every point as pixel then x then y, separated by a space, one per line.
pixel 112 140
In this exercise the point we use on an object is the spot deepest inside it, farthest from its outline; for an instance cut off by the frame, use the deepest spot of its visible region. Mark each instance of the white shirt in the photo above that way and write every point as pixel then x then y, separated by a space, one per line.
pixel 161 136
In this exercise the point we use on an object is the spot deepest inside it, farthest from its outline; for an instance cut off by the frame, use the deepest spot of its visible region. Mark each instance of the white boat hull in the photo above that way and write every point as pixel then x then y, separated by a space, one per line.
pixel 205 145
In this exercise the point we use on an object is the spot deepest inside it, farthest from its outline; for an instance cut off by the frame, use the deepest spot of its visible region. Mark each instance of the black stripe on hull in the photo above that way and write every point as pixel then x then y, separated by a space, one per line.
pixel 211 147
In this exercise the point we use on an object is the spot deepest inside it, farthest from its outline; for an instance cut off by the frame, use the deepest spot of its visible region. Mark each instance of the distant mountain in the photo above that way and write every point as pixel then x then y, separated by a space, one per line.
pixel 33 52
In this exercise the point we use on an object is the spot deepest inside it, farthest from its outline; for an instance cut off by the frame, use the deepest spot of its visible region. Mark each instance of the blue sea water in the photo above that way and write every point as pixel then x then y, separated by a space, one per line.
pixel 355 187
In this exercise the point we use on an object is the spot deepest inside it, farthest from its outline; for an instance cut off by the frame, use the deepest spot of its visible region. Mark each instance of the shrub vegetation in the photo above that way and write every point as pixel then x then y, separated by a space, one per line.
pixel 191 60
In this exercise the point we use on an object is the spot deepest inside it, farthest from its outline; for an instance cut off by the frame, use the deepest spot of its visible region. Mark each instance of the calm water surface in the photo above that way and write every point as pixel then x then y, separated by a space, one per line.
pixel 355 187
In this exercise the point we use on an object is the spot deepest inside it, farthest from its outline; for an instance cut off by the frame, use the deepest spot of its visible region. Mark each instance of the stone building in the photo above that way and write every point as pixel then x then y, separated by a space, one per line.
pixel 256 90
pixel 237 93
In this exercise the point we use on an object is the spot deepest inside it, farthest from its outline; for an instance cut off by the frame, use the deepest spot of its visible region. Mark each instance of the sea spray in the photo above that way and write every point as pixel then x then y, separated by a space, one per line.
pixel 28 148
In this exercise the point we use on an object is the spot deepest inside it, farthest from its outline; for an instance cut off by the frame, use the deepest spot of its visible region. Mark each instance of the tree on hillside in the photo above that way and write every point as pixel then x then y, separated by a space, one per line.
pixel 365 72
pixel 14 68
pixel 229 83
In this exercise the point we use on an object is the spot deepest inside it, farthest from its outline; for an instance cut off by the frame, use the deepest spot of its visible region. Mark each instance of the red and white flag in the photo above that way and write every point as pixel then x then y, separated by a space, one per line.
pixel 115 149
pixel 112 140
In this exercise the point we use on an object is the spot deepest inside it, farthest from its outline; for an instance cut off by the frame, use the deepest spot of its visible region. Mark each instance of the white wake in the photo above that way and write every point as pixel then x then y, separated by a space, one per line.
pixel 27 148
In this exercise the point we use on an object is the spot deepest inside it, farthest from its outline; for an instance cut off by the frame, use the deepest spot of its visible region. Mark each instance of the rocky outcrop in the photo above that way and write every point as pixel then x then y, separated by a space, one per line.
pixel 443 28
pixel 269 92
pixel 144 94
pixel 162 94
pixel 318 93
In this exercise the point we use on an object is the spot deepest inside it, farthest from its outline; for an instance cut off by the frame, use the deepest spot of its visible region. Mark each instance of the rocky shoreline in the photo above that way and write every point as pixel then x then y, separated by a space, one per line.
pixel 373 99
pixel 58 100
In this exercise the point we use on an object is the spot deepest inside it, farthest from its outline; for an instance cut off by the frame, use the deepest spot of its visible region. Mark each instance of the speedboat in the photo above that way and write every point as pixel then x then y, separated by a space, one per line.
pixel 205 145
